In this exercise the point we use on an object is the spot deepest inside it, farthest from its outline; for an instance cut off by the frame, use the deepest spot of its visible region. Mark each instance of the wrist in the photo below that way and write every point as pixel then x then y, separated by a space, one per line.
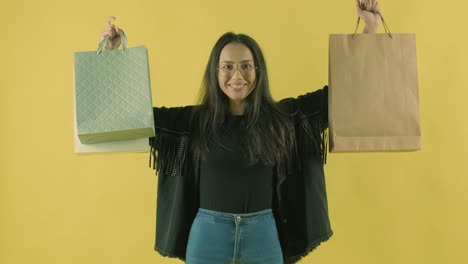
pixel 370 29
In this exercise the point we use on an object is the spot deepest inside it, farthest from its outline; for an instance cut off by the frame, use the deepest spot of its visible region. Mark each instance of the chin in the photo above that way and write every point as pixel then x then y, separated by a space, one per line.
pixel 237 98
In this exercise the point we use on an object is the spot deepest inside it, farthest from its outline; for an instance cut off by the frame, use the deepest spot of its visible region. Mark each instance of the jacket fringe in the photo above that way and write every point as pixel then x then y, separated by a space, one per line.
pixel 169 151
pixel 318 135
pixel 289 164
pixel 311 128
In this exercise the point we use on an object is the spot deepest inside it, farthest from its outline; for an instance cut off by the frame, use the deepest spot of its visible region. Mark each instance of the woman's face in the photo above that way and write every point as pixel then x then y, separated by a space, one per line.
pixel 236 74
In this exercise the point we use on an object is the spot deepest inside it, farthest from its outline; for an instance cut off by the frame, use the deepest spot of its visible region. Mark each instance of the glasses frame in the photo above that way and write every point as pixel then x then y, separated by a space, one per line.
pixel 236 68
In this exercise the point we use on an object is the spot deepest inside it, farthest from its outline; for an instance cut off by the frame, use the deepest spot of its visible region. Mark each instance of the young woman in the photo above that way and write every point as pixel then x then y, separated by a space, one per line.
pixel 241 176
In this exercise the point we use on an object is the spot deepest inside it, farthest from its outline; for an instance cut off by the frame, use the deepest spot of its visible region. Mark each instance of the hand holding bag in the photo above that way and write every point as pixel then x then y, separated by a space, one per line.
pixel 373 92
pixel 112 97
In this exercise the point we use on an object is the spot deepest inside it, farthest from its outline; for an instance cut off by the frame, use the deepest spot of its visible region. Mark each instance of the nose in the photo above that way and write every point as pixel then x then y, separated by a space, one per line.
pixel 236 74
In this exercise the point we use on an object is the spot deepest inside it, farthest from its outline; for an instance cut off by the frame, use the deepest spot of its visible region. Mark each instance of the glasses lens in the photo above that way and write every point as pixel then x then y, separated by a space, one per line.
pixel 228 69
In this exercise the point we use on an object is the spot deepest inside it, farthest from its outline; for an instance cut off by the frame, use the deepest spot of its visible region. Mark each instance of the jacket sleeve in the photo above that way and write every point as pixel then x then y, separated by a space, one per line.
pixel 169 146
pixel 310 112
pixel 310 105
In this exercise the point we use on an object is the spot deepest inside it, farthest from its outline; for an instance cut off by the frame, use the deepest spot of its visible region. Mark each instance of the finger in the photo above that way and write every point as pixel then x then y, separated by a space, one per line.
pixel 109 32
pixel 374 3
pixel 377 8
pixel 360 8
pixel 358 5
pixel 109 20
pixel 113 31
pixel 365 4
pixel 106 33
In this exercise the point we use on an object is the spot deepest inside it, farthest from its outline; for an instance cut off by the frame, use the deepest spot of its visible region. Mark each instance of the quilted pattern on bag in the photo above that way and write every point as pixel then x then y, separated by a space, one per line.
pixel 113 95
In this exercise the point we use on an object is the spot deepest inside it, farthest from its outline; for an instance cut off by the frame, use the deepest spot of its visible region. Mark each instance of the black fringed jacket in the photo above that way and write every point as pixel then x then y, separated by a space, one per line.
pixel 300 203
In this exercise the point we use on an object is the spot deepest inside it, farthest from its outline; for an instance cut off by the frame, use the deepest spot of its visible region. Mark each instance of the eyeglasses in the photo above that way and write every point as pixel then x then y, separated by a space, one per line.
pixel 228 69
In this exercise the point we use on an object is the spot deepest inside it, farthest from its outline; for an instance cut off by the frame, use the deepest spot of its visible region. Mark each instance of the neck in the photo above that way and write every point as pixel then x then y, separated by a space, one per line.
pixel 236 107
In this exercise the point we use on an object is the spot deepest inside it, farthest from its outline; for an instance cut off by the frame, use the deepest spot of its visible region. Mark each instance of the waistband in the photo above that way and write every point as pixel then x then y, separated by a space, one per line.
pixel 230 217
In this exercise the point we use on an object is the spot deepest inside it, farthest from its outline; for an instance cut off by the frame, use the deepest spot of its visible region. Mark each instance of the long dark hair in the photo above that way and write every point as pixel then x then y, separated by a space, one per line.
pixel 269 133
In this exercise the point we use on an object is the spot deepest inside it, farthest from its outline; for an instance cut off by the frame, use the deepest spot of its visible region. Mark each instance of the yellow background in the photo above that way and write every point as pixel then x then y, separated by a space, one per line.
pixel 59 207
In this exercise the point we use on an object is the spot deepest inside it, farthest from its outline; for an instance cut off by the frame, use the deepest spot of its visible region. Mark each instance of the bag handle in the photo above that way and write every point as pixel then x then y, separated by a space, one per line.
pixel 387 30
pixel 104 42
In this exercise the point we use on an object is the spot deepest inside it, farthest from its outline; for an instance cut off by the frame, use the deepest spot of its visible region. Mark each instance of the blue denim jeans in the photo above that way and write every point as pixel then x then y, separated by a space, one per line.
pixel 225 238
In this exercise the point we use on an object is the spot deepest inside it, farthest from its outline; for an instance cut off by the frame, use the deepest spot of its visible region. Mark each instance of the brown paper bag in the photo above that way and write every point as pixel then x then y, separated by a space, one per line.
pixel 373 94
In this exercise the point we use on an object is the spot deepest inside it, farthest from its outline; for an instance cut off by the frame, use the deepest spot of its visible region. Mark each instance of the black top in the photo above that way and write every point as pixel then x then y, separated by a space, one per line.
pixel 300 198
pixel 228 181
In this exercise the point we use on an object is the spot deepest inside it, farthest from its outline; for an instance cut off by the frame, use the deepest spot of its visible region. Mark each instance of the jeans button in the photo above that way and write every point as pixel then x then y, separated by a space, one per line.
pixel 238 218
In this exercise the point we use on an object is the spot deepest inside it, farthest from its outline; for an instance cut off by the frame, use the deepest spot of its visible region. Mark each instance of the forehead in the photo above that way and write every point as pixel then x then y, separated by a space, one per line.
pixel 235 52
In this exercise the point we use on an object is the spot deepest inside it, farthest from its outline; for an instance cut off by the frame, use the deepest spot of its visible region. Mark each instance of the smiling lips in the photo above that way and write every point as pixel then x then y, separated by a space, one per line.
pixel 237 86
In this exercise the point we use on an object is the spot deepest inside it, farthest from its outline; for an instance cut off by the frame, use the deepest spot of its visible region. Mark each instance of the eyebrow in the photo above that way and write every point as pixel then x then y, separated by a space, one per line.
pixel 234 62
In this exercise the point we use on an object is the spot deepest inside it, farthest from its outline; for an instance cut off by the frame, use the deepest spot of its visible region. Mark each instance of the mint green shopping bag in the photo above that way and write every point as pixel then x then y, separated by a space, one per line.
pixel 113 94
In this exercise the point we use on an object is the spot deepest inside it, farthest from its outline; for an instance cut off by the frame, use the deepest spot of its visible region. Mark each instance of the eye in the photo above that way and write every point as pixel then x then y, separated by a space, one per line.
pixel 227 67
pixel 246 66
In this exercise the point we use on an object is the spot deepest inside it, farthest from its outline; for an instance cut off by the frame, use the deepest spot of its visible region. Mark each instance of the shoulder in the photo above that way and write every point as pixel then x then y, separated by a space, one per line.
pixel 176 119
